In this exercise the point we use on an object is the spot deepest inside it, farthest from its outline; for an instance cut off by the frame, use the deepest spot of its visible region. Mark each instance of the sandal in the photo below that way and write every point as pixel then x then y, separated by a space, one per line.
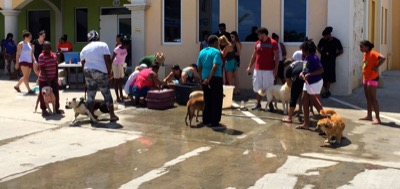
pixel 302 127
pixel 17 89
pixel 366 119
pixel 285 120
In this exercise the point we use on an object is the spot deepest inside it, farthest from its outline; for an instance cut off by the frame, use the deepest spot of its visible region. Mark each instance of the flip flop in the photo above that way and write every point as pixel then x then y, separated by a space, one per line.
pixel 302 127
pixel 286 120
pixel 365 119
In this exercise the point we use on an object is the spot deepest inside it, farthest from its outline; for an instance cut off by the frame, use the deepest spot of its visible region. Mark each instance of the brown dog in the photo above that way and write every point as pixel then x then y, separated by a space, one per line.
pixel 333 125
pixel 48 97
pixel 195 103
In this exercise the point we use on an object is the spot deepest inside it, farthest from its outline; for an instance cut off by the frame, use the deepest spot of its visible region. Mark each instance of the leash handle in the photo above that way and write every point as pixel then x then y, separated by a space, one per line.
pixel 315 94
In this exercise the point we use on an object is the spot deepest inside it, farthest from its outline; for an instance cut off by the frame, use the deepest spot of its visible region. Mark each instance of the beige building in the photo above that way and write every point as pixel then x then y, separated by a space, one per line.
pixel 175 26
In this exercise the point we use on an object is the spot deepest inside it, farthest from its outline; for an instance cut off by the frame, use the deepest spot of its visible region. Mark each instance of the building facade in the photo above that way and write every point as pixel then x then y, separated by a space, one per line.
pixel 175 26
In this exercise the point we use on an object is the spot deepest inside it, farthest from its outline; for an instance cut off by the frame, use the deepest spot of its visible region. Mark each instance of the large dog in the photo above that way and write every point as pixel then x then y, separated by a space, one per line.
pixel 79 107
pixel 279 92
pixel 49 98
pixel 333 125
pixel 195 103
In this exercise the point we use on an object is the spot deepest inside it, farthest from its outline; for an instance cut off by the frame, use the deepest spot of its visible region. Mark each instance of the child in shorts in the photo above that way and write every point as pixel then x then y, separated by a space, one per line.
pixel 119 56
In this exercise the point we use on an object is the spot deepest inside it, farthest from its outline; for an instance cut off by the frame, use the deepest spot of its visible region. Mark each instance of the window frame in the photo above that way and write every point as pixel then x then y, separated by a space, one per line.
pixel 283 25
pixel 237 22
pixel 75 24
pixel 163 27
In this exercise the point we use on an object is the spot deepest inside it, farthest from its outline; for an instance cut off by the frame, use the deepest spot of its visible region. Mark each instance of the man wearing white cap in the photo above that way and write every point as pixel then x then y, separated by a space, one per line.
pixel 133 76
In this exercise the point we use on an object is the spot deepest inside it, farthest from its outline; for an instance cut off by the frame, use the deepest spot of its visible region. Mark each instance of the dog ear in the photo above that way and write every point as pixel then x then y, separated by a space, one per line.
pixel 74 99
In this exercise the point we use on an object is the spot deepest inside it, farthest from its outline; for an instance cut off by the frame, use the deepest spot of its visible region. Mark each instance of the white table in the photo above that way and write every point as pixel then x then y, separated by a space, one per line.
pixel 69 66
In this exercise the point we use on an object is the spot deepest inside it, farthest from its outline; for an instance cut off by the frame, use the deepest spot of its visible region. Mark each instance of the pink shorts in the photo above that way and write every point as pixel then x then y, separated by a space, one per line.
pixel 370 83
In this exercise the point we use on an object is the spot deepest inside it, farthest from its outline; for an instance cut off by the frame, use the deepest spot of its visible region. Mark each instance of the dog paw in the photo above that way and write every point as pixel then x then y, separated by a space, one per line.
pixel 327 141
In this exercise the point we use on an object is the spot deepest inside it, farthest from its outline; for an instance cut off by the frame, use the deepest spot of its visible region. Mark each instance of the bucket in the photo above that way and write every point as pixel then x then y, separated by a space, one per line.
pixel 228 92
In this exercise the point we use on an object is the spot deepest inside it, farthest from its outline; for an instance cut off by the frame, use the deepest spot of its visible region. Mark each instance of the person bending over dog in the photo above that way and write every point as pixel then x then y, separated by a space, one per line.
pixel 48 77
pixel 96 63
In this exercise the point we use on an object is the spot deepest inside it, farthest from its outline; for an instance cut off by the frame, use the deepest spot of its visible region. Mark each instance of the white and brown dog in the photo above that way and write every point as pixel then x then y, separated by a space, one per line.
pixel 79 107
pixel 195 103
pixel 279 92
pixel 49 98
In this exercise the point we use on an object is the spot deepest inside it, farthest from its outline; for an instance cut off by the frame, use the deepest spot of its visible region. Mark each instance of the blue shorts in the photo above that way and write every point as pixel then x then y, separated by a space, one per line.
pixel 136 92
pixel 230 65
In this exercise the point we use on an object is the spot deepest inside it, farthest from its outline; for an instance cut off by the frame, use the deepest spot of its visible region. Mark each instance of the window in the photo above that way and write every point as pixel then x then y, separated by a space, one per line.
pixel 81 24
pixel 294 20
pixel 172 21
pixel 208 17
pixel 249 15
pixel 38 21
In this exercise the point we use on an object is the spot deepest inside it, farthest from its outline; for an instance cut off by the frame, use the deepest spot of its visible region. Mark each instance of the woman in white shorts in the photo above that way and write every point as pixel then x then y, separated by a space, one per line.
pixel 313 81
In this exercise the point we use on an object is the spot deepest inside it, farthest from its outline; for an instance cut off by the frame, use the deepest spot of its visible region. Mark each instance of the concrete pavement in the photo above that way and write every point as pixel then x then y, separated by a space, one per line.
pixel 155 149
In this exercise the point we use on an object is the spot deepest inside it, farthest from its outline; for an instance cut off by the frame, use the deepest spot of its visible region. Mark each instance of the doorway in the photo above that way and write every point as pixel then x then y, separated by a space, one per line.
pixel 115 21
pixel 39 20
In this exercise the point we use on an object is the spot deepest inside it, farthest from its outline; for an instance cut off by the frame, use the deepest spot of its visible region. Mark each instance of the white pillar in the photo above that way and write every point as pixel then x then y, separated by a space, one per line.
pixel 11 22
pixel 138 19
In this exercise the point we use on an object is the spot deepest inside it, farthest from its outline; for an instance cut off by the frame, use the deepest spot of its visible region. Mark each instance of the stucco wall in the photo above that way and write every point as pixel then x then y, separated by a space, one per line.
pixel 187 52
pixel 358 35
pixel 396 35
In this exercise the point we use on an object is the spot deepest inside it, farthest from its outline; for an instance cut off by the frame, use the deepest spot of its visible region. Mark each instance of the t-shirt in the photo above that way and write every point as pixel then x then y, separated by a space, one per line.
pixel 265 54
pixel 329 49
pixel 48 64
pixel 370 61
pixel 10 46
pixel 93 53
pixel 38 48
pixel 130 80
pixel 206 60
pixel 65 47
pixel 148 60
pixel 298 55
pixel 312 64
pixel 294 69
pixel 120 55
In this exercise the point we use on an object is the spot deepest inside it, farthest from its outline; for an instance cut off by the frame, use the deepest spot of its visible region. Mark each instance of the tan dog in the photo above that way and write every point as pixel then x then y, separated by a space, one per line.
pixel 333 125
pixel 48 97
pixel 279 92
pixel 196 102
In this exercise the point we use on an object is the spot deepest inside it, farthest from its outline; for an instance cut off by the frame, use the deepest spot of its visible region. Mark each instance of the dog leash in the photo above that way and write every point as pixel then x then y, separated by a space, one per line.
pixel 314 93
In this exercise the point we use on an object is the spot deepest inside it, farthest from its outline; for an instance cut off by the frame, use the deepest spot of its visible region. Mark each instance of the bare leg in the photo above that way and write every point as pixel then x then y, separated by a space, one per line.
pixel 369 104
pixel 306 101
pixel 116 82
pixel 120 89
pixel 374 102
pixel 229 77
pixel 315 99
pixel 236 80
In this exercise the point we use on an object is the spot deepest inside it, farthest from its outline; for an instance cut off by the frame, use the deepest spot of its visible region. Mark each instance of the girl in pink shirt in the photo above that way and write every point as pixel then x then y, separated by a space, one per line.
pixel 120 53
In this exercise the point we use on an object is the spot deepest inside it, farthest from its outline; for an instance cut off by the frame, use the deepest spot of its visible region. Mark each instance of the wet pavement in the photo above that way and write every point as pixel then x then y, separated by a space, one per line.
pixel 155 149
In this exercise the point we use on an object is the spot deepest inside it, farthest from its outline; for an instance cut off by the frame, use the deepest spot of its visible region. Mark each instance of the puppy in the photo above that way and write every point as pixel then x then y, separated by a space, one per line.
pixel 279 92
pixel 48 97
pixel 333 125
pixel 79 107
pixel 195 103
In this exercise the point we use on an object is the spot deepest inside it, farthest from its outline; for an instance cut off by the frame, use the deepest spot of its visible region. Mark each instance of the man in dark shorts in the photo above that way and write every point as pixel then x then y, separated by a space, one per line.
pixel 293 80
pixel 329 47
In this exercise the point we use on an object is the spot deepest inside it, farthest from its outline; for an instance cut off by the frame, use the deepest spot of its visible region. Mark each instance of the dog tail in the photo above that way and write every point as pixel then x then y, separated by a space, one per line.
pixel 327 112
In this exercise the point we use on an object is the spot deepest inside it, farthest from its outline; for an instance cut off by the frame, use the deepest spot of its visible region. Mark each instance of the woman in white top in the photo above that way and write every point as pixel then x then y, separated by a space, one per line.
pixel 25 60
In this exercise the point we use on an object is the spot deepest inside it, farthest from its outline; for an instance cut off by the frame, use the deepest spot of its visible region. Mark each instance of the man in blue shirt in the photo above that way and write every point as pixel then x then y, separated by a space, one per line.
pixel 210 68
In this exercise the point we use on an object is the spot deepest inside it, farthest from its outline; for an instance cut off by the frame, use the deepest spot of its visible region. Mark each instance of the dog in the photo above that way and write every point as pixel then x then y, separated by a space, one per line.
pixel 49 98
pixel 332 125
pixel 80 108
pixel 195 103
pixel 279 92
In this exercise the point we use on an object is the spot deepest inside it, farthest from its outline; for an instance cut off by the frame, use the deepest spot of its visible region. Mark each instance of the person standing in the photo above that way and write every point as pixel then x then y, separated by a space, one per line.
pixel 265 67
pixel 9 51
pixel 253 37
pixel 119 56
pixel 209 64
pixel 25 60
pixel 47 62
pixel 96 61
pixel 228 54
pixel 329 47
pixel 237 48
pixel 372 61
pixel 282 56
pixel 38 43
pixel 222 31
pixel 311 74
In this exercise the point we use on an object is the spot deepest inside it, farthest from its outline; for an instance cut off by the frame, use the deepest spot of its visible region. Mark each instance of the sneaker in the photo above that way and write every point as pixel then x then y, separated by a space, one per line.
pixel 31 92
pixel 256 107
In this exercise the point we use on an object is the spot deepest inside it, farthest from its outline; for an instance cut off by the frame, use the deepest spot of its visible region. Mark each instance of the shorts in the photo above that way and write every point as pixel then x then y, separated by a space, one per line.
pixel 118 71
pixel 374 82
pixel 281 70
pixel 97 80
pixel 136 92
pixel 315 88
pixel 26 64
pixel 263 79
pixel 230 65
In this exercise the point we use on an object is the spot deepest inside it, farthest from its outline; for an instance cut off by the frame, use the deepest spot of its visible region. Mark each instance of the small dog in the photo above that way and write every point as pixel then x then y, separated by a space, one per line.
pixel 80 108
pixel 333 125
pixel 48 97
pixel 195 103
pixel 279 92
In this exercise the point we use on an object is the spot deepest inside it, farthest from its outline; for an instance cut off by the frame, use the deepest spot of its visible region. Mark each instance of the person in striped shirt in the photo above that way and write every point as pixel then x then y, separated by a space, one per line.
pixel 48 76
